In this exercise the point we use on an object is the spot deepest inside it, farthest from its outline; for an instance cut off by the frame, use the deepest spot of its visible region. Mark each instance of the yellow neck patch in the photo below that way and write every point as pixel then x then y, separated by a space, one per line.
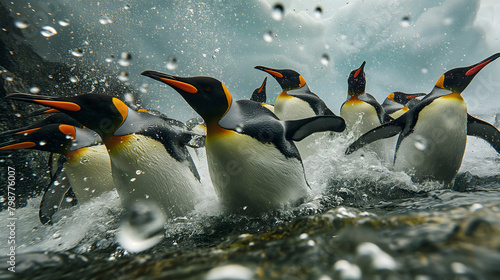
pixel 453 96
pixel 113 143
pixel 121 107
pixel 216 132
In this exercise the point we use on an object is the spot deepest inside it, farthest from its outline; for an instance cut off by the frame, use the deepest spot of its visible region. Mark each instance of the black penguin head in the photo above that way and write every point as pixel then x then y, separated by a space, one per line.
pixel 55 138
pixel 356 81
pixel 458 79
pixel 287 78
pixel 102 113
pixel 259 94
pixel 207 96
pixel 403 98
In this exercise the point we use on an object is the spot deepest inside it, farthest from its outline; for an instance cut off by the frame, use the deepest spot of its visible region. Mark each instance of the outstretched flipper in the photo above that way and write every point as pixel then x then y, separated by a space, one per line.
pixel 386 130
pixel 483 130
pixel 297 130
pixel 54 194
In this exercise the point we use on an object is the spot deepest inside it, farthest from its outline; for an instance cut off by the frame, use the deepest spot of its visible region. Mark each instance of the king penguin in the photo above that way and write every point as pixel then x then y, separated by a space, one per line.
pixel 433 134
pixel 253 162
pixel 84 163
pixel 149 159
pixel 259 95
pixel 397 103
pixel 361 111
pixel 296 101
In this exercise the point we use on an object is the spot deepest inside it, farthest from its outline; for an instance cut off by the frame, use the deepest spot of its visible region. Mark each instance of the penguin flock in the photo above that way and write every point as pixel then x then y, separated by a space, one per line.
pixel 254 150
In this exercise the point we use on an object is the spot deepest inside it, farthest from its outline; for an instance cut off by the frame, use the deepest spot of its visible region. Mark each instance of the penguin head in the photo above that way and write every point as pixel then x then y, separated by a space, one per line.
pixel 403 98
pixel 55 138
pixel 259 94
pixel 356 81
pixel 207 96
pixel 287 78
pixel 457 79
pixel 102 113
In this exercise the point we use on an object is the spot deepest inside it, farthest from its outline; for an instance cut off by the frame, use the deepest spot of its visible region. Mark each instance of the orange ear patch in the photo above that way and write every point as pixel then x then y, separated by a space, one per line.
pixel 22 145
pixel 180 85
pixel 121 107
pixel 68 106
pixel 67 129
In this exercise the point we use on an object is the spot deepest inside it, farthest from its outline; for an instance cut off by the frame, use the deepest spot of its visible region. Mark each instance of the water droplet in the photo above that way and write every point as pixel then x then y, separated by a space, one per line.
pixel 133 179
pixel 48 31
pixel 424 70
pixel 129 97
pixel 213 56
pixel 69 136
pixel 109 59
pixel 34 90
pixel 126 7
pixel 420 143
pixel 123 76
pixel 85 179
pixel 217 50
pixel 21 24
pixel 278 11
pixel 318 12
pixel 476 206
pixel 448 21
pixel 2 199
pixel 325 59
pixel 56 183
pixel 86 189
pixel 142 228
pixel 9 79
pixel 42 143
pixel 143 88
pixel 171 63
pixel 268 36
pixel 138 172
pixel 105 20
pixel 405 21
pixel 77 52
pixel 84 160
pixel 303 236
pixel 146 196
pixel 64 22
pixel 17 115
pixel 230 271
pixel 125 58
pixel 73 79
pixel 69 199
pixel 311 243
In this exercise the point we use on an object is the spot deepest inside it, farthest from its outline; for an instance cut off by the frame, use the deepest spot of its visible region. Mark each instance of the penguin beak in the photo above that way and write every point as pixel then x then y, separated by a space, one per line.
pixel 263 86
pixel 478 66
pixel 273 72
pixel 173 81
pixel 411 96
pixel 11 145
pixel 53 102
pixel 360 69
pixel 43 111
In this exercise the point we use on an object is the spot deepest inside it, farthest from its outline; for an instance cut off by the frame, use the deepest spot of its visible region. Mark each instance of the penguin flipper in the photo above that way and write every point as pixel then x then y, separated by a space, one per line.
pixel 483 130
pixel 386 130
pixel 297 130
pixel 54 193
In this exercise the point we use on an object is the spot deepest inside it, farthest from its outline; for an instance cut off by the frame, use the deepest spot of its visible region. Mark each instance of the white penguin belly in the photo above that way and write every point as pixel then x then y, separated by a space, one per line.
pixel 253 176
pixel 292 108
pixel 89 172
pixel 360 117
pixel 436 147
pixel 144 171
